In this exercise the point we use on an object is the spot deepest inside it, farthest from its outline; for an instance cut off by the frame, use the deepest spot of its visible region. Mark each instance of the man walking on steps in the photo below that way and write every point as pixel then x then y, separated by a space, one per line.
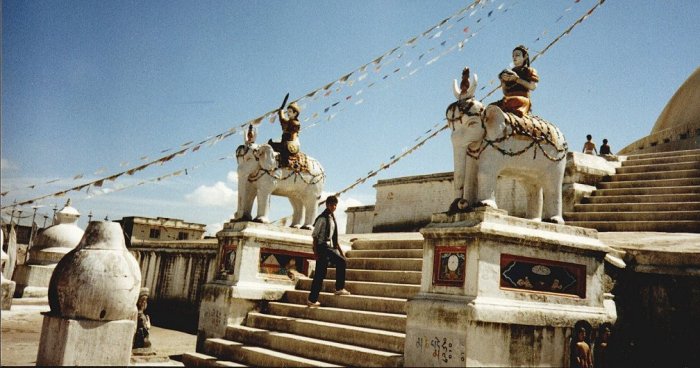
pixel 327 249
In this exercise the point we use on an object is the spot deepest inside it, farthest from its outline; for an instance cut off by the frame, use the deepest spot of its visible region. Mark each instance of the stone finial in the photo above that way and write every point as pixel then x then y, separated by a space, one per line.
pixel 67 214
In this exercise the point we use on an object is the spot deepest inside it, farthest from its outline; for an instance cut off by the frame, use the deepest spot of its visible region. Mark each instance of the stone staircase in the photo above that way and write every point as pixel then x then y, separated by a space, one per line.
pixel 649 192
pixel 365 329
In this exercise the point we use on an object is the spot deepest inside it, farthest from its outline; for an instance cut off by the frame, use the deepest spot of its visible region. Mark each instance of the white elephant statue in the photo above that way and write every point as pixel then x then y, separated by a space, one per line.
pixel 488 142
pixel 260 177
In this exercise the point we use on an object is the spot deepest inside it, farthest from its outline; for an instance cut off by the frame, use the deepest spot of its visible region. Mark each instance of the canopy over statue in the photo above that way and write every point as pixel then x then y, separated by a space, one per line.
pixel 278 168
pixel 506 139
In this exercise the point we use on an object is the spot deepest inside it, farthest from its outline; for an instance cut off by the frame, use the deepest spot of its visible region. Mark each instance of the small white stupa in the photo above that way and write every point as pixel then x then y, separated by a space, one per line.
pixel 49 247
pixel 57 240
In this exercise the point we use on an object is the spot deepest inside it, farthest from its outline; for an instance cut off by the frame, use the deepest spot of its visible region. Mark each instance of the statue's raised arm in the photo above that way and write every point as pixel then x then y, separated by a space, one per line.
pixel 289 120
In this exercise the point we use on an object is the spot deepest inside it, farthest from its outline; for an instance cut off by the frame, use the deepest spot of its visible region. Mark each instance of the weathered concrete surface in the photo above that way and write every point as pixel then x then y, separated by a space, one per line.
pixel 657 298
pixel 21 330
pixel 66 341
pixel 482 321
pixel 242 283
pixel 99 280
pixel 661 253
pixel 8 289
pixel 92 295
pixel 175 272
pixel 8 286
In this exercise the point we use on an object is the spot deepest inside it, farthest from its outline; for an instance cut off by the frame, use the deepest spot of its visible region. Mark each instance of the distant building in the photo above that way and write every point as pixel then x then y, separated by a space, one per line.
pixel 23 228
pixel 159 229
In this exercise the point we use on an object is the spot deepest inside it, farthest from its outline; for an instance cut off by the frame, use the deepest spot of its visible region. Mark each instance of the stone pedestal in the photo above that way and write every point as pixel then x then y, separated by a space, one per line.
pixel 92 295
pixel 72 342
pixel 7 286
pixel 33 280
pixel 254 264
pixel 8 289
pixel 503 291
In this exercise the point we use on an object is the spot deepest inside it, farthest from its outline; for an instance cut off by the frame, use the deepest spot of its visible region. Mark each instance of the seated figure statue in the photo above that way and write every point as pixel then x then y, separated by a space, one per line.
pixel 517 83
pixel 143 323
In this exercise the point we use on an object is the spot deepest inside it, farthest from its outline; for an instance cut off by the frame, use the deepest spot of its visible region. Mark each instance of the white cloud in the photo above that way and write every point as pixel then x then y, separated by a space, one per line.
pixel 343 204
pixel 214 228
pixel 232 176
pixel 6 164
pixel 217 195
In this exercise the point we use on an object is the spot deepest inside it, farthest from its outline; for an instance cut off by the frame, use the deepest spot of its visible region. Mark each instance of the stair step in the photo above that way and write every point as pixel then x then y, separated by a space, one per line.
pixel 674 166
pixel 650 183
pixel 353 335
pixel 663 154
pixel 235 352
pixel 396 277
pixel 633 216
pixel 366 288
pixel 381 321
pixel 386 253
pixel 198 360
pixel 656 175
pixel 645 191
pixel 661 160
pixel 637 207
pixel 657 226
pixel 316 349
pixel 357 302
pixel 399 264
pixel 377 244
pixel 642 198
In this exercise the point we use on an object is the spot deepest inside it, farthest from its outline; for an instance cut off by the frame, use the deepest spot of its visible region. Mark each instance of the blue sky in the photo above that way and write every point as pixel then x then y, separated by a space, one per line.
pixel 91 87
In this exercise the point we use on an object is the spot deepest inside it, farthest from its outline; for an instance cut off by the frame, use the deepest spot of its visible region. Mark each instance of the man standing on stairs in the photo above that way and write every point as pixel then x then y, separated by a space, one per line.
pixel 327 249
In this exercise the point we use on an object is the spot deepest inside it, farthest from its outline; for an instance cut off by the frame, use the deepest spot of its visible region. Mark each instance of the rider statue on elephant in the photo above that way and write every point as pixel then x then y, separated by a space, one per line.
pixel 504 138
pixel 289 144
pixel 517 83
pixel 278 168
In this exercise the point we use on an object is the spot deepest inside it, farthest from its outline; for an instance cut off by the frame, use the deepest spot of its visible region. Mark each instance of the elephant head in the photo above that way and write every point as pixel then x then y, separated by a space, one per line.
pixel 464 118
pixel 266 157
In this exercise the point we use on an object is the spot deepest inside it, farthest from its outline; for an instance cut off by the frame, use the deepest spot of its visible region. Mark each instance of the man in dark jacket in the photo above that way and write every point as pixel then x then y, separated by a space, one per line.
pixel 327 249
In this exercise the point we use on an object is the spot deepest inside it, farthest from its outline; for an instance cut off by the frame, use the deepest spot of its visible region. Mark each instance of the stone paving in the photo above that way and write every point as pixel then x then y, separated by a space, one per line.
pixel 21 330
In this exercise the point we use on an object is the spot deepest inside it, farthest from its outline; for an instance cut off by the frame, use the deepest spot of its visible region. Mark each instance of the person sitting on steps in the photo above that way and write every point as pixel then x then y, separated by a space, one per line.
pixel 589 146
pixel 604 148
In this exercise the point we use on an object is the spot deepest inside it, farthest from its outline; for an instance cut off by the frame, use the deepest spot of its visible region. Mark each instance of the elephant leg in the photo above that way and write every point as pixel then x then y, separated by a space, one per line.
pixel 297 211
pixel 310 208
pixel 459 153
pixel 486 191
pixel 246 197
pixel 263 205
pixel 552 201
pixel 534 201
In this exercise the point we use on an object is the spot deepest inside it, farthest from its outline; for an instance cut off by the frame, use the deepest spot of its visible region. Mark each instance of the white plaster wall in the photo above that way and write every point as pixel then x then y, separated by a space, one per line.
pixel 359 220
pixel 405 204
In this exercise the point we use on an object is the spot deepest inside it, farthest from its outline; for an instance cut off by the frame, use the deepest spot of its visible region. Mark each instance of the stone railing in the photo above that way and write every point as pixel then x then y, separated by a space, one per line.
pixel 681 137
pixel 175 271
pixel 407 203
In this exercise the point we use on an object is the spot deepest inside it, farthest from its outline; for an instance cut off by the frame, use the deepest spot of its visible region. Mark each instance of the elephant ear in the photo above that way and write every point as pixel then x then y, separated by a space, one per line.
pixel 266 156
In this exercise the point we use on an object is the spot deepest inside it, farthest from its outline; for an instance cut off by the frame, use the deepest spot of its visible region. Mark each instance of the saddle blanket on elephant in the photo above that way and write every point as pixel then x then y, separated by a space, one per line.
pixel 535 128
pixel 299 162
